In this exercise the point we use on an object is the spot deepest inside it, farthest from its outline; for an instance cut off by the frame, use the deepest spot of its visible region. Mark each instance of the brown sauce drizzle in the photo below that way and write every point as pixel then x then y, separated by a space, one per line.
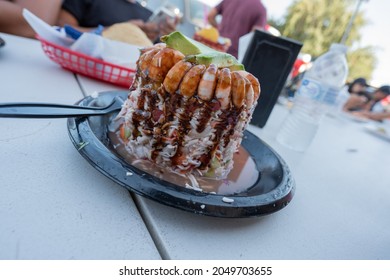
pixel 189 106
pixel 204 116
pixel 231 121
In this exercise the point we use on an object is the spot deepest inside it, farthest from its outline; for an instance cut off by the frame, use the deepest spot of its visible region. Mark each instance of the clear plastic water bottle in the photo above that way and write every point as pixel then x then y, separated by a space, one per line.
pixel 317 93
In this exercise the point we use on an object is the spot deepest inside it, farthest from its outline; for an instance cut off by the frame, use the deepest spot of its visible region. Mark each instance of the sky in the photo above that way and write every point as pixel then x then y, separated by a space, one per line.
pixel 375 34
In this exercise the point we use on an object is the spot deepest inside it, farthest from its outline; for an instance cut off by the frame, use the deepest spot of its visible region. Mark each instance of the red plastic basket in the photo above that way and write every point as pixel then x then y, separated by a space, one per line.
pixel 88 65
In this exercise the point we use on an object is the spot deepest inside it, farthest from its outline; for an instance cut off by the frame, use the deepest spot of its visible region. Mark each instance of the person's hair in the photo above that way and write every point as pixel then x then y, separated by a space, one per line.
pixel 360 81
pixel 385 89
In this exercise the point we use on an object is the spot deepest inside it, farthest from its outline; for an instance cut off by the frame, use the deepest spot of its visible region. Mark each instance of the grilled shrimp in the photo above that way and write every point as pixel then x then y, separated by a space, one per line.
pixel 175 76
pixel 207 83
pixel 249 93
pixel 254 81
pixel 158 46
pixel 238 89
pixel 190 82
pixel 162 62
pixel 145 60
pixel 222 91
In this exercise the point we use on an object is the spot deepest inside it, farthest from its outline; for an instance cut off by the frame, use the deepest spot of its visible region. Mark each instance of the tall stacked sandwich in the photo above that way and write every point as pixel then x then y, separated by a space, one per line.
pixel 188 107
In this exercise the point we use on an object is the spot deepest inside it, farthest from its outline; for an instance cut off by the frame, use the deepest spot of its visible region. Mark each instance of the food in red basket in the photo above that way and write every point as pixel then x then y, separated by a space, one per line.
pixel 128 33
pixel 210 37
pixel 209 33
pixel 186 116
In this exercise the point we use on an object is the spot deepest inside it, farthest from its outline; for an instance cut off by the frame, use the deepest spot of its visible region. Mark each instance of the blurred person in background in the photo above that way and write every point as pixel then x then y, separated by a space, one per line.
pixel 359 85
pixel 13 22
pixel 301 64
pixel 86 15
pixel 238 19
pixel 368 104
pixel 352 93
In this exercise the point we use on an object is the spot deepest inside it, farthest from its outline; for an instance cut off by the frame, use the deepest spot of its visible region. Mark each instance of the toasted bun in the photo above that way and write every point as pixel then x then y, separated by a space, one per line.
pixel 128 33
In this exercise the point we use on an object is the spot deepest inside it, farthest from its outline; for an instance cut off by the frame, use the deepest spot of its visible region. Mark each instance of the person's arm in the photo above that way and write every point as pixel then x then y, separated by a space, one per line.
pixel 379 116
pixel 46 10
pixel 355 101
pixel 66 17
pixel 212 17
pixel 151 29
pixel 13 22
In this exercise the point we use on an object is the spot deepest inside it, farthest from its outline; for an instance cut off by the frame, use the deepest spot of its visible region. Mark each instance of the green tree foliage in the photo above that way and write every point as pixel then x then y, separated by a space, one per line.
pixel 319 23
pixel 361 62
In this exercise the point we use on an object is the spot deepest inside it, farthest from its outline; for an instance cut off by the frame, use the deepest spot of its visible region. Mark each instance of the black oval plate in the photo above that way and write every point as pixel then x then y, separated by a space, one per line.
pixel 272 191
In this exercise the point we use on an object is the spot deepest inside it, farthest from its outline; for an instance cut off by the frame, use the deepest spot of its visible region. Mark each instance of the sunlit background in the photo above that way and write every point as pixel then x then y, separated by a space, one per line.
pixel 374 34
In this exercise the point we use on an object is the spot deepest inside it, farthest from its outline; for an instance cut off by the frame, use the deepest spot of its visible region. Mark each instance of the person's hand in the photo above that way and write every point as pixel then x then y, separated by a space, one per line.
pixel 375 116
pixel 154 30
pixel 151 29
pixel 168 26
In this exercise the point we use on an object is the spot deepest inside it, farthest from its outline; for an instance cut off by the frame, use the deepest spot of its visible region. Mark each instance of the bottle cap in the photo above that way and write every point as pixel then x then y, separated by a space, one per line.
pixel 339 48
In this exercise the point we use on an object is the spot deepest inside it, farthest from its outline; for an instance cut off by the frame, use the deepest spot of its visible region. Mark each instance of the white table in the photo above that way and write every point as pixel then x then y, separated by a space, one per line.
pixel 340 209
pixel 53 205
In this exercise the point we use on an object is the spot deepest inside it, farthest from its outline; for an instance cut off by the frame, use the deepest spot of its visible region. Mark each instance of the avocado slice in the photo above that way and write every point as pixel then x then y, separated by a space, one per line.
pixel 198 53
pixel 178 41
